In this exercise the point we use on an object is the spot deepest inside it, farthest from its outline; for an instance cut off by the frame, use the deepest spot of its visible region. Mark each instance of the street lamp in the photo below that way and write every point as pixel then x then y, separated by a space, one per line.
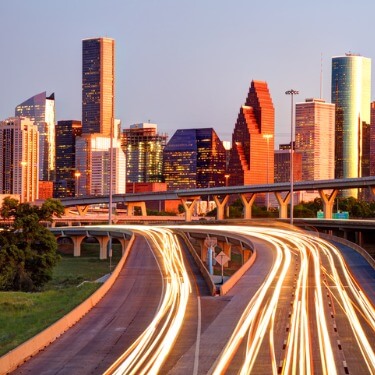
pixel 77 175
pixel 291 93
pixel 226 185
pixel 267 137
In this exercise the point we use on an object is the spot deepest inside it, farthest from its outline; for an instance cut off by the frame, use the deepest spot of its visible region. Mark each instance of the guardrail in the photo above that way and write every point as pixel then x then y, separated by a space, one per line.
pixel 352 245
pixel 10 361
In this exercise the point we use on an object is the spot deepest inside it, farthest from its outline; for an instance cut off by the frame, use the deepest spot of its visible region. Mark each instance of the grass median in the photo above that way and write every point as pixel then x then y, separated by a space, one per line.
pixel 23 315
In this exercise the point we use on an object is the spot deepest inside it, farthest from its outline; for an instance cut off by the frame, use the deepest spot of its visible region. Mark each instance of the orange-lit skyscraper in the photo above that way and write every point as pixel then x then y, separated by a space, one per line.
pixel 315 139
pixel 98 85
pixel 252 155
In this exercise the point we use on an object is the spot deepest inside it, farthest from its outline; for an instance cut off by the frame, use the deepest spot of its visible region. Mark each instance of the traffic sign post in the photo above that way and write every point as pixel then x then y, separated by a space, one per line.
pixel 222 259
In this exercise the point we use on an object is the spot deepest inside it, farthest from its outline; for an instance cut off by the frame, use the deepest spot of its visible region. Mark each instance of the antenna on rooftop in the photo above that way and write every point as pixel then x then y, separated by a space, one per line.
pixel 321 75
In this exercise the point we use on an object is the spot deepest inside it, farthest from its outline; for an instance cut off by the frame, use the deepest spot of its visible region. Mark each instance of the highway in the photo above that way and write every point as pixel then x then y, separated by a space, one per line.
pixel 297 310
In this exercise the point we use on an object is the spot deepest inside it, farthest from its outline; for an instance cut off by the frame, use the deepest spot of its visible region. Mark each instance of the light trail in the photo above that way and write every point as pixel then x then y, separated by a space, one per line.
pixel 148 353
pixel 307 320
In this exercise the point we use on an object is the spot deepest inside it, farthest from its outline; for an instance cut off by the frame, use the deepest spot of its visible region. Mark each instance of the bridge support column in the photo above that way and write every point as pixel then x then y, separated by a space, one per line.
pixel 372 191
pixel 77 240
pixel 247 201
pixel 328 202
pixel 82 210
pixel 220 206
pixel 103 243
pixel 189 204
pixel 123 243
pixel 204 249
pixel 141 205
pixel 283 204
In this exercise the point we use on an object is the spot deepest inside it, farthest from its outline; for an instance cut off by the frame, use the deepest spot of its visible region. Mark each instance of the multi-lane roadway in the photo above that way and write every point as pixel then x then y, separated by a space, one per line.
pixel 297 310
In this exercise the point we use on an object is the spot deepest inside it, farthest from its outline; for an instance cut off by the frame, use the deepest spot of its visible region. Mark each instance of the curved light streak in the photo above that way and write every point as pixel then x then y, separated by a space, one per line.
pixel 148 353
pixel 258 318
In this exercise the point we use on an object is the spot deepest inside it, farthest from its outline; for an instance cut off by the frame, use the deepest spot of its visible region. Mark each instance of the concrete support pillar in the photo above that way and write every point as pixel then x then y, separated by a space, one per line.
pixel 220 206
pixel 103 243
pixel 82 210
pixel 372 191
pixel 204 249
pixel 328 202
pixel 189 204
pixel 358 238
pixel 283 204
pixel 132 205
pixel 246 255
pixel 123 243
pixel 247 201
pixel 77 240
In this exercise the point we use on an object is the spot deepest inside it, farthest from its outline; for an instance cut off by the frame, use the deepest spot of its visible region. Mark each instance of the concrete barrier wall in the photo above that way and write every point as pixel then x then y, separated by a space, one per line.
pixel 350 244
pixel 229 284
pixel 19 355
pixel 210 283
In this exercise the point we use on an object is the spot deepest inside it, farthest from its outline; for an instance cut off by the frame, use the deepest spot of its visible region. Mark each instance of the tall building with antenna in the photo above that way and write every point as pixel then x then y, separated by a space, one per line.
pixel 351 93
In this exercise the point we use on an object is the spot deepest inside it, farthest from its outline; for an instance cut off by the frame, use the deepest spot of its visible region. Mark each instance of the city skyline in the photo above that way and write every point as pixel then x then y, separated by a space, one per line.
pixel 170 56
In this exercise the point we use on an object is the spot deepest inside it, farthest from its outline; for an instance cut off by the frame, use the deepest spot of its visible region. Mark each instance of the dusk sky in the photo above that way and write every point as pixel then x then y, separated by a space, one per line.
pixel 181 63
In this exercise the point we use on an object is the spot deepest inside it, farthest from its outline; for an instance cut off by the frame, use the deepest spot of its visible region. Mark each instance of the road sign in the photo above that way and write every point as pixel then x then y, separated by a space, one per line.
pixel 222 258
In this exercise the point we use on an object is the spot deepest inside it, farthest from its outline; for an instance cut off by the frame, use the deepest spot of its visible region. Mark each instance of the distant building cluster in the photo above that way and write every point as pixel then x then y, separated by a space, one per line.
pixel 42 157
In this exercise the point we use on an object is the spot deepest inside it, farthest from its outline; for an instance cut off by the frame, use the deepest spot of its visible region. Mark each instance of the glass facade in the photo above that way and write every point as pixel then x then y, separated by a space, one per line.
pixel 143 148
pixel 98 82
pixel 351 93
pixel 66 134
pixel 194 158
pixel 41 110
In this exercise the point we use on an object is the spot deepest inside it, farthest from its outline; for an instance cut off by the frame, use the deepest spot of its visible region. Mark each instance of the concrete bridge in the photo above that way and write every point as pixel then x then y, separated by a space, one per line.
pixel 327 189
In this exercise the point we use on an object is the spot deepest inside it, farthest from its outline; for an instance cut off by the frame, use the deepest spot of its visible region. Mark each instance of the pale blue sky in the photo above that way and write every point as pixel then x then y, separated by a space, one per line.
pixel 180 63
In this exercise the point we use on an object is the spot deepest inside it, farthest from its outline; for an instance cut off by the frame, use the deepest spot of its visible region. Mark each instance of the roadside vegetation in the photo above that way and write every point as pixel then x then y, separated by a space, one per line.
pixel 39 282
pixel 24 314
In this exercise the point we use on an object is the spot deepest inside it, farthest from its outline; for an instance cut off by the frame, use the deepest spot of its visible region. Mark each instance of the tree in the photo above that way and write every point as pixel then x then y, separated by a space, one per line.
pixel 28 250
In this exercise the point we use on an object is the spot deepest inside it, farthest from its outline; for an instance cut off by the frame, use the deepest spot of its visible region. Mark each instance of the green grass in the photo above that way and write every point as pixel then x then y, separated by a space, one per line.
pixel 22 315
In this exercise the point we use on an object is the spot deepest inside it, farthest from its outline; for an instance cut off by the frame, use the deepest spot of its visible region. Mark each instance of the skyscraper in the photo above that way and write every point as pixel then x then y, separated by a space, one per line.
pixel 251 158
pixel 351 93
pixel 41 110
pixel 66 172
pixel 143 147
pixel 98 85
pixel 372 140
pixel 194 158
pixel 315 139
pixel 93 164
pixel 19 142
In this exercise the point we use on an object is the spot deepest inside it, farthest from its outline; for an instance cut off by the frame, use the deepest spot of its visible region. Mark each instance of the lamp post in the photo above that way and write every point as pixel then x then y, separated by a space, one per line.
pixel 226 185
pixel 291 93
pixel 267 137
pixel 77 175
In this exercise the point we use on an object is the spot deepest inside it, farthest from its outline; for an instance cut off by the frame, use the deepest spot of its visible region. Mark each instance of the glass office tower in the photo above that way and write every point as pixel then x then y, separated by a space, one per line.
pixel 98 85
pixel 194 158
pixel 41 110
pixel 143 147
pixel 351 93
pixel 67 175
